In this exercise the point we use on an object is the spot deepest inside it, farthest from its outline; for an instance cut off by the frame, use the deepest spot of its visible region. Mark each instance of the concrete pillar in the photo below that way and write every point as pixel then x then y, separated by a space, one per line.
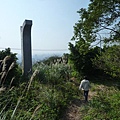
pixel 26 47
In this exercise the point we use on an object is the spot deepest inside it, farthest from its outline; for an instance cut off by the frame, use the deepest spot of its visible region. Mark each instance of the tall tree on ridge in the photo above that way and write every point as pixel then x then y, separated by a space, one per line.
pixel 100 16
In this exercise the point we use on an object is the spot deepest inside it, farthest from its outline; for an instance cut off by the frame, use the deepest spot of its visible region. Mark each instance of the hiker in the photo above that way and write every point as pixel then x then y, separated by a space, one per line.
pixel 85 86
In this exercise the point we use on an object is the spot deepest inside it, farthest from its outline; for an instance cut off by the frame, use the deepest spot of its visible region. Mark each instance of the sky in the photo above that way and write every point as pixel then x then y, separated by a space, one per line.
pixel 52 28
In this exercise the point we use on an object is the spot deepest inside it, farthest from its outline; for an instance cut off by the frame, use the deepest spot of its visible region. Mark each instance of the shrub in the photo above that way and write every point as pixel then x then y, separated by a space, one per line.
pixel 44 96
pixel 9 70
pixel 104 106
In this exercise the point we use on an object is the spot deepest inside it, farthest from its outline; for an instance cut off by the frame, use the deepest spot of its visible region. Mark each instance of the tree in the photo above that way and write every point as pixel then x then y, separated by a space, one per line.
pixel 82 58
pixel 109 61
pixel 9 69
pixel 100 16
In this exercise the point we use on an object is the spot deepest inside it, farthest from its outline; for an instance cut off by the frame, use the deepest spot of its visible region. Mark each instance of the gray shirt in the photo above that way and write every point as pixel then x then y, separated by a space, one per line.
pixel 84 85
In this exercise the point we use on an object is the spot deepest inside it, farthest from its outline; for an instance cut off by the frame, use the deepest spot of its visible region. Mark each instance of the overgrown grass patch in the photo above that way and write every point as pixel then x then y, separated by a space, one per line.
pixel 44 96
pixel 40 102
pixel 103 106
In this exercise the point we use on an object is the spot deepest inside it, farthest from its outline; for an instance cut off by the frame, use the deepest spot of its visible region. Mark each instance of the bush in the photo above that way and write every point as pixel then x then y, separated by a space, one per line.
pixel 10 72
pixel 104 106
pixel 44 96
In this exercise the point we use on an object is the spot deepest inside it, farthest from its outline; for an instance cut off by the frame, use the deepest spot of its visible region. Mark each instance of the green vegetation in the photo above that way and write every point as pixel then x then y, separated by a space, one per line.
pixel 44 95
pixel 97 55
pixel 51 88
pixel 104 105
pixel 96 32
pixel 47 93
pixel 9 69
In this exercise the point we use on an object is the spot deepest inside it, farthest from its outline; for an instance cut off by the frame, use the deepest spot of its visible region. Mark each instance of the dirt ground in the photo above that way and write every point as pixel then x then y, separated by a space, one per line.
pixel 73 111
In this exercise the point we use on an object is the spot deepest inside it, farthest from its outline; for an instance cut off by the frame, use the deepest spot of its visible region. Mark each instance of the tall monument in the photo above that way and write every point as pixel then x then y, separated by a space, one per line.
pixel 26 47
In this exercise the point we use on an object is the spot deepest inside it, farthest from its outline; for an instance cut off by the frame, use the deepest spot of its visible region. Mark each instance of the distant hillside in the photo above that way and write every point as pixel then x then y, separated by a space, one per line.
pixel 38 57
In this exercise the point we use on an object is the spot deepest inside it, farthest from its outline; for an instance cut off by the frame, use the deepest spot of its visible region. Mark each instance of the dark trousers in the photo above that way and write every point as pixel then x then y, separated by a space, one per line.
pixel 86 95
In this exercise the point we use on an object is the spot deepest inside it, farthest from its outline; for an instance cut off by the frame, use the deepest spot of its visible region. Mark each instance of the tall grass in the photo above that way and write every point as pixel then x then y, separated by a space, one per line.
pixel 6 68
pixel 45 95
pixel 104 106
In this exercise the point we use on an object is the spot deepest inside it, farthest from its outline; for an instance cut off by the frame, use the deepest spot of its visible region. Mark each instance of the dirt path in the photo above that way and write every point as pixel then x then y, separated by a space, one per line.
pixel 73 111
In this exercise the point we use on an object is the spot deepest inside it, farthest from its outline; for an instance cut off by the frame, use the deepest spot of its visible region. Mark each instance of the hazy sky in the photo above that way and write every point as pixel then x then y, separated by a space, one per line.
pixel 53 22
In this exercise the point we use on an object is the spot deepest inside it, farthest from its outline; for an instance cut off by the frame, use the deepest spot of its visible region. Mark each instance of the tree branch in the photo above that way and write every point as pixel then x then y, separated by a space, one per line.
pixel 111 29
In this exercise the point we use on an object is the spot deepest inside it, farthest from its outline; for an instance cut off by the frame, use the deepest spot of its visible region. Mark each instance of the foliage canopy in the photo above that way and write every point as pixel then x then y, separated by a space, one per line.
pixel 98 24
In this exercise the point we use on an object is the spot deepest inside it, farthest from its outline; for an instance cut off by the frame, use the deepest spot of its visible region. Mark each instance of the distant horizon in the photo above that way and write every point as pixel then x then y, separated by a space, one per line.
pixel 39 57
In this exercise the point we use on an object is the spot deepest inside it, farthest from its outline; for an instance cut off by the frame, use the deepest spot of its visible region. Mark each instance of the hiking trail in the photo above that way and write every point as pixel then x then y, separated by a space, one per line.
pixel 73 111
